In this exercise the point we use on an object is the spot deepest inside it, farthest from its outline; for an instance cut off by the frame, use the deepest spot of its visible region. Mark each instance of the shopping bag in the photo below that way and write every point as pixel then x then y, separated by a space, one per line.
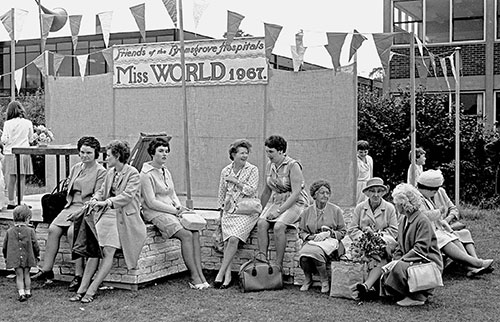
pixel 345 276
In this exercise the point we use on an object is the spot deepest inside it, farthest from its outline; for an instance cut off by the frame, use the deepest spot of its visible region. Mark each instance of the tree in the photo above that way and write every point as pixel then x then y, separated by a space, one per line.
pixel 377 73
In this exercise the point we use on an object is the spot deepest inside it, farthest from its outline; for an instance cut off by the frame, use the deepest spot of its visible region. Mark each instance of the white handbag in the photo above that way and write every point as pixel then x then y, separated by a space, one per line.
pixel 192 221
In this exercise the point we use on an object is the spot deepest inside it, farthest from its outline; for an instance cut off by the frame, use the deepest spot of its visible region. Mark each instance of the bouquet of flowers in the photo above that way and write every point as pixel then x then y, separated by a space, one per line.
pixel 42 135
pixel 370 247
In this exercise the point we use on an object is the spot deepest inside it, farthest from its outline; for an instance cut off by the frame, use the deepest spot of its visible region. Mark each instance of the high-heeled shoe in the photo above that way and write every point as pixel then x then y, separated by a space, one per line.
pixel 88 298
pixel 217 284
pixel 226 286
pixel 77 297
pixel 196 286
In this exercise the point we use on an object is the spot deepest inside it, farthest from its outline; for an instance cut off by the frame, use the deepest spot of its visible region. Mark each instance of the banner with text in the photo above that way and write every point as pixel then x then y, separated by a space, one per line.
pixel 208 62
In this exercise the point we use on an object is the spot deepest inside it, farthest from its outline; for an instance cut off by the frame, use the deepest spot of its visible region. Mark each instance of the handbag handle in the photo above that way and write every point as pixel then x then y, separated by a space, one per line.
pixel 266 261
pixel 422 256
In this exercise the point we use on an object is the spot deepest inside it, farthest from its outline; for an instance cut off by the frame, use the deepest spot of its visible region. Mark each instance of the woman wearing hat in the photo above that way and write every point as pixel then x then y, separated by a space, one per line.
pixel 374 215
pixel 460 249
pixel 321 228
pixel 238 180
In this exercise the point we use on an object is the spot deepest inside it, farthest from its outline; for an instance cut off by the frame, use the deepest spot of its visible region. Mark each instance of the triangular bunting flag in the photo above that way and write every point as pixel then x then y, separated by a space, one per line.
pixel 445 71
pixel 297 57
pixel 138 12
pixel 103 24
pixel 20 16
pixel 39 62
pixel 271 35
pixel 82 64
pixel 171 6
pixel 419 45
pixel 453 70
pixel 233 24
pixel 18 74
pixel 108 56
pixel 422 71
pixel 199 7
pixel 74 25
pixel 58 59
pixel 432 58
pixel 383 43
pixel 334 47
pixel 357 40
pixel 7 23
pixel 46 24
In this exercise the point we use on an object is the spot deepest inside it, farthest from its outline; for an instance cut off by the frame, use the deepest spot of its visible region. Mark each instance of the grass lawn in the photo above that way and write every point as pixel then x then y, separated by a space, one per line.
pixel 462 298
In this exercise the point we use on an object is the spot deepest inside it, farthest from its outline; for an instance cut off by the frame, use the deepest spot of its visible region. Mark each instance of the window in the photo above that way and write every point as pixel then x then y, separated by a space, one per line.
pixel 440 21
pixel 471 103
pixel 468 20
pixel 497 107
pixel 407 16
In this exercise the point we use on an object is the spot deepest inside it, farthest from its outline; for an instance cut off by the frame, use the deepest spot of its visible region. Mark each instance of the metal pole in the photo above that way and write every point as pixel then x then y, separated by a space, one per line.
pixel 189 201
pixel 13 58
pixel 457 127
pixel 413 122
pixel 42 45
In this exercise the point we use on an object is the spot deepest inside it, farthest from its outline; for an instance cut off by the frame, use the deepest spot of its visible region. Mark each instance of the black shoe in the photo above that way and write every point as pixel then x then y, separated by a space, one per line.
pixel 42 275
pixel 10 207
pixel 217 284
pixel 22 298
pixel 362 290
pixel 75 284
pixel 228 285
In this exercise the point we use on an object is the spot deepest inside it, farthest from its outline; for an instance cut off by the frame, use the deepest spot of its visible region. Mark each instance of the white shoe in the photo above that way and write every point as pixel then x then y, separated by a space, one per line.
pixel 410 302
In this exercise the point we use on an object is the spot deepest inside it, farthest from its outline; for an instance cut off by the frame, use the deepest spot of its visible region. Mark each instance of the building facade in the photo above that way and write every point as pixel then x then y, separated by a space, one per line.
pixel 442 26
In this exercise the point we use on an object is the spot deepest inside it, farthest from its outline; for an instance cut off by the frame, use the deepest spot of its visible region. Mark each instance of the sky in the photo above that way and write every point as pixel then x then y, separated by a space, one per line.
pixel 314 17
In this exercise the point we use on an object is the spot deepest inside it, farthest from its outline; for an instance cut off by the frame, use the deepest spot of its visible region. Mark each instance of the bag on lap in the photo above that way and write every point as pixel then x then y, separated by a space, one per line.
pixel 259 275
pixel 192 221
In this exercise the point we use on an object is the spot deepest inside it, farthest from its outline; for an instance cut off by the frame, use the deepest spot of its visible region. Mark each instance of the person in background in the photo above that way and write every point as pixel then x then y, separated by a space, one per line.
pixel 449 243
pixel 21 250
pixel 374 215
pixel 238 180
pixel 117 220
pixel 321 228
pixel 416 243
pixel 18 132
pixel 365 169
pixel 85 178
pixel 419 165
pixel 3 200
pixel 284 196
pixel 162 207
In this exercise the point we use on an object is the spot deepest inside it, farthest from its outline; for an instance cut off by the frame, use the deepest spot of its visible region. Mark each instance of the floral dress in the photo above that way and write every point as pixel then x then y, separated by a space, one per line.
pixel 237 225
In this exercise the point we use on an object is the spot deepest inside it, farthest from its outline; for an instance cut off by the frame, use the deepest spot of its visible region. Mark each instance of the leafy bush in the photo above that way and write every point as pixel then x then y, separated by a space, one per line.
pixel 385 123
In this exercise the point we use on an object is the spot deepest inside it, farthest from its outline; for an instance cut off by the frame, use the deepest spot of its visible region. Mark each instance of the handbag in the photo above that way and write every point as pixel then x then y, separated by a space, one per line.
pixel 192 221
pixel 217 239
pixel 345 276
pixel 259 275
pixel 248 206
pixel 53 203
pixel 423 276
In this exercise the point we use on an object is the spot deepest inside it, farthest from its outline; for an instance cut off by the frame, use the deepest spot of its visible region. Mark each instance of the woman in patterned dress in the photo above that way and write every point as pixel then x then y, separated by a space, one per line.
pixel 237 180
pixel 284 196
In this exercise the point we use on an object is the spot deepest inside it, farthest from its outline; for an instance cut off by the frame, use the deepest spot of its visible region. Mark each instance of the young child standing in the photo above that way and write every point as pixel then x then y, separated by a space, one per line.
pixel 419 165
pixel 21 250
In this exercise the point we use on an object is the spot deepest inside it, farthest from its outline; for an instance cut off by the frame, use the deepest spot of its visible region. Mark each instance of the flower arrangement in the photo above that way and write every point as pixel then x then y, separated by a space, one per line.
pixel 42 135
pixel 370 247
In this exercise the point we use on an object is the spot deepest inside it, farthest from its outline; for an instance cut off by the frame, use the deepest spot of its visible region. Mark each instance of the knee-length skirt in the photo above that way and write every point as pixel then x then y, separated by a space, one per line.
pixel 237 225
pixel 107 230
pixel 62 219
pixel 10 164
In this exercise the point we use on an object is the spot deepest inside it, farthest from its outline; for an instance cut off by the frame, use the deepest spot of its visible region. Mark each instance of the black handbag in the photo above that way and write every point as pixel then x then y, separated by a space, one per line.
pixel 53 203
pixel 259 275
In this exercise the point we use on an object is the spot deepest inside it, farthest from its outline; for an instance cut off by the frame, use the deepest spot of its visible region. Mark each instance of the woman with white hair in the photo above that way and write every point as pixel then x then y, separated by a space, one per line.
pixel 450 243
pixel 416 243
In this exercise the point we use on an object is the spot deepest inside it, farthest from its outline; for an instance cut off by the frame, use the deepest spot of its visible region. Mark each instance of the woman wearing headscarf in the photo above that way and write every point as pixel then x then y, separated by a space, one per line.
pixel 374 215
pixel 321 228
pixel 450 244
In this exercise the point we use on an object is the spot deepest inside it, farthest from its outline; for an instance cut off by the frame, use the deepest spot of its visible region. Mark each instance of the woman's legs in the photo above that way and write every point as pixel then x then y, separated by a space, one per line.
pixel 373 277
pixel 106 263
pixel 187 250
pixel 323 276
pixel 88 273
pixel 280 241
pixel 197 255
pixel 456 251
pixel 78 262
pixel 262 235
pixel 53 241
pixel 12 186
pixel 306 263
pixel 231 246
pixel 470 249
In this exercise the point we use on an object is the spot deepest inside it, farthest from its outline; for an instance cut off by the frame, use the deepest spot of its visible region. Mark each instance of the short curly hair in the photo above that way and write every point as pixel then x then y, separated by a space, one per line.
pixel 276 142
pixel 317 185
pixel 242 143
pixel 91 142
pixel 408 197
pixel 120 150
pixel 21 213
pixel 156 143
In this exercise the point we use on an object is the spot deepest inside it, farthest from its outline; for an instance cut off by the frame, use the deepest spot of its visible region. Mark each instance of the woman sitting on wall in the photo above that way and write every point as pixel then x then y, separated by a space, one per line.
pixel 161 207
pixel 321 228
pixel 84 179
pixel 117 219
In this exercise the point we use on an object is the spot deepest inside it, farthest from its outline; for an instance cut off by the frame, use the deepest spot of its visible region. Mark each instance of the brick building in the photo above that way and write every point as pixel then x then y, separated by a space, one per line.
pixel 443 25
